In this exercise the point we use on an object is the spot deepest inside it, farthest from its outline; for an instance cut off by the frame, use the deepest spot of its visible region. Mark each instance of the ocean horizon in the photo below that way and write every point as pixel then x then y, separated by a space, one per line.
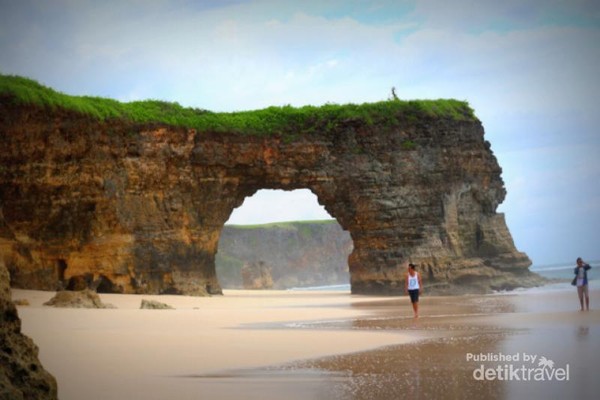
pixel 560 275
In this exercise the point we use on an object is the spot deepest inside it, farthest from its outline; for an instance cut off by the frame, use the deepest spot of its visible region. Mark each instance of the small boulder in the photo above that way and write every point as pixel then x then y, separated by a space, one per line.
pixel 154 305
pixel 21 302
pixel 79 299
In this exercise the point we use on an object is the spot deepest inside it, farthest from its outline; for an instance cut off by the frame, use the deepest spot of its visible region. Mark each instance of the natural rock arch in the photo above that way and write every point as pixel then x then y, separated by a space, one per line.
pixel 143 205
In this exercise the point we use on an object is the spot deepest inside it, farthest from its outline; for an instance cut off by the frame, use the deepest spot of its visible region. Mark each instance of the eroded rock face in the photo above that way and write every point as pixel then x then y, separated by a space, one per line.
pixel 256 275
pixel 21 374
pixel 142 207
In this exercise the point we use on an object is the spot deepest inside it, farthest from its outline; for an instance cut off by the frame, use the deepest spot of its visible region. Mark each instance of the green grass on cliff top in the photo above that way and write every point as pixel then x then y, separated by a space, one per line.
pixel 271 120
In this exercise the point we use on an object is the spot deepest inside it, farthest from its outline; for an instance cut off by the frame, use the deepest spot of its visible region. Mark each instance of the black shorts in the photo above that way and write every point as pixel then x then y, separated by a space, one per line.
pixel 414 295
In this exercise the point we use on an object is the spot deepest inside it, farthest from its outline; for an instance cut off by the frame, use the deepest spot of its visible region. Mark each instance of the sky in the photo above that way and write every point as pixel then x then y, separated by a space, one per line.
pixel 530 69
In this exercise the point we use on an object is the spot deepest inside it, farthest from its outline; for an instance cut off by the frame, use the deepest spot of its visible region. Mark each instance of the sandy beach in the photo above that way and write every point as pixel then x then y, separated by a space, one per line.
pixel 319 345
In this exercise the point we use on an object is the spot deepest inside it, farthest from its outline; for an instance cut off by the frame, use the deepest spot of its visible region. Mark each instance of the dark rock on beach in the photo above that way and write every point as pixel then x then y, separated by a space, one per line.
pixel 22 376
pixel 77 299
pixel 154 305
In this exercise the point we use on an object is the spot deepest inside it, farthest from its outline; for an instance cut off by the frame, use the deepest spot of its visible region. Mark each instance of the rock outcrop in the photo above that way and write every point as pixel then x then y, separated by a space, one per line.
pixel 21 302
pixel 154 305
pixel 256 275
pixel 298 254
pixel 77 299
pixel 141 206
pixel 21 374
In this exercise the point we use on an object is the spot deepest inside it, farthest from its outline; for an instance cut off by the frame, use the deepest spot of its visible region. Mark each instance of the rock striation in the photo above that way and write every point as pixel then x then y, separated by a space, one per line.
pixel 21 374
pixel 139 207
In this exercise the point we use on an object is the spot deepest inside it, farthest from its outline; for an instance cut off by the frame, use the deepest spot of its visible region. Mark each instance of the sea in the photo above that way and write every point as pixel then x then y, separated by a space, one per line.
pixel 560 275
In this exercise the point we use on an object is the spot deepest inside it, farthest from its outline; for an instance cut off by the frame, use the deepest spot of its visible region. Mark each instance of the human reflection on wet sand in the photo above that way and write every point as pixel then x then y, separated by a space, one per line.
pixel 583 332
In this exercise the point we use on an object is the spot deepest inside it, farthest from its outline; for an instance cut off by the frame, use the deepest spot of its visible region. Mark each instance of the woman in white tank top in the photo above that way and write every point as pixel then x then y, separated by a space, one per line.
pixel 413 287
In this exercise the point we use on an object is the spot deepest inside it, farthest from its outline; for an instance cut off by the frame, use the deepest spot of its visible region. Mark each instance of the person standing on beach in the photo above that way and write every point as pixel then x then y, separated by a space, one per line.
pixel 413 287
pixel 581 281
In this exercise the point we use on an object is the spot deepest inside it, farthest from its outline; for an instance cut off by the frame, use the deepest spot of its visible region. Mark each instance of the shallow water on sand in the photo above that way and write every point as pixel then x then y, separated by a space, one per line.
pixel 514 332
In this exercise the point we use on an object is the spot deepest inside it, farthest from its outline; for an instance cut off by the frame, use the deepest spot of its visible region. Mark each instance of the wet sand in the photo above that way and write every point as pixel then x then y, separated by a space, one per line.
pixel 514 327
pixel 315 345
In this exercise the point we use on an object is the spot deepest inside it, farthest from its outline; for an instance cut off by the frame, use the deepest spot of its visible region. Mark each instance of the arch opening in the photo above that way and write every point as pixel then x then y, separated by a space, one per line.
pixel 281 240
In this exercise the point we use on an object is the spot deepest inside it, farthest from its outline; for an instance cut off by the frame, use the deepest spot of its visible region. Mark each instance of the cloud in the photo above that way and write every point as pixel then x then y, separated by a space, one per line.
pixel 508 15
pixel 551 206
pixel 252 54
pixel 278 206
pixel 528 68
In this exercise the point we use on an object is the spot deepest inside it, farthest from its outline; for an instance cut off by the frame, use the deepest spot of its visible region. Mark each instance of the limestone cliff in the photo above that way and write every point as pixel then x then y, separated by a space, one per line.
pixel 21 374
pixel 138 207
pixel 297 253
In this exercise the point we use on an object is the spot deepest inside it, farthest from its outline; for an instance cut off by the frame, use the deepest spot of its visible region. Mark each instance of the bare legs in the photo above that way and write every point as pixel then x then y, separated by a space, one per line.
pixel 582 291
pixel 416 309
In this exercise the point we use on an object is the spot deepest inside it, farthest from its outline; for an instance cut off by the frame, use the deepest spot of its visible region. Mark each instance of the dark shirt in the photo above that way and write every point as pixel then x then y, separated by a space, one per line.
pixel 585 270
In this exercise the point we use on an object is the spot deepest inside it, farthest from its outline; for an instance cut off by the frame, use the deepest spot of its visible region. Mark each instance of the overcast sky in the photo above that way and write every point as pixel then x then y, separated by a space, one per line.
pixel 530 69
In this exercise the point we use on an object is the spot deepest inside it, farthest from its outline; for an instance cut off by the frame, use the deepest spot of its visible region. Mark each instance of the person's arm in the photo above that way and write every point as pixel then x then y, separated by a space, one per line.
pixel 420 283
pixel 586 266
